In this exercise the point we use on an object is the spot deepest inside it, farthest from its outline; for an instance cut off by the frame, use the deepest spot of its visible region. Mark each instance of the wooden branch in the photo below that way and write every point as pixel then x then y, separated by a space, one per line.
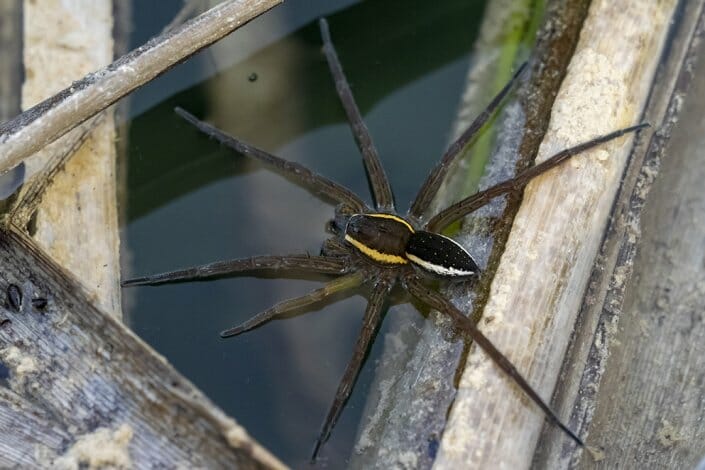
pixel 640 412
pixel 544 270
pixel 55 116
pixel 77 387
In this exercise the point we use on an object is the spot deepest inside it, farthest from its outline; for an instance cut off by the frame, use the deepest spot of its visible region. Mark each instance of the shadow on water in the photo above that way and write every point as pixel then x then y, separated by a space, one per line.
pixel 190 202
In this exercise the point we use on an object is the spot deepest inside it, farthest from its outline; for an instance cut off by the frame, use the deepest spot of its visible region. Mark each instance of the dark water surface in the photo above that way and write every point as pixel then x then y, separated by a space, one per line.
pixel 190 202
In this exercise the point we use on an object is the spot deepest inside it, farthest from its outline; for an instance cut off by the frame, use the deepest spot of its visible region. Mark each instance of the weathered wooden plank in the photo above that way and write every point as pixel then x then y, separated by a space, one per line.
pixel 71 198
pixel 651 402
pixel 536 293
pixel 77 388
pixel 602 314
pixel 641 390
pixel 85 386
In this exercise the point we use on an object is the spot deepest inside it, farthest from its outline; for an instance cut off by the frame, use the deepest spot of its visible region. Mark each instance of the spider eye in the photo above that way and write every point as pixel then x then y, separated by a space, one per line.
pixel 332 227
pixel 439 255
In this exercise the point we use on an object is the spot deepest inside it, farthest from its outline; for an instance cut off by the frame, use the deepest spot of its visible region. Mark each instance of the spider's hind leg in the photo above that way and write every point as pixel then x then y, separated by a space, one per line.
pixel 370 324
pixel 436 301
pixel 461 208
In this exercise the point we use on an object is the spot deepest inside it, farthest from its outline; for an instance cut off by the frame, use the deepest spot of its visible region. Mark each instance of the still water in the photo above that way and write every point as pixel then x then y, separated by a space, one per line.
pixel 190 202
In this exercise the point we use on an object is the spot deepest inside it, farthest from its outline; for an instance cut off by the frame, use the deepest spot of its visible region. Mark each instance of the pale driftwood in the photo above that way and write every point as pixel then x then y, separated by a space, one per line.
pixel 650 406
pixel 74 213
pixel 78 388
pixel 407 411
pixel 641 337
pixel 59 114
pixel 549 255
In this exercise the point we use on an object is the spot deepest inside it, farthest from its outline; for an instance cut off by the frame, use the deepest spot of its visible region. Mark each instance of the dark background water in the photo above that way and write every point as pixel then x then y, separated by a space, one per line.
pixel 190 202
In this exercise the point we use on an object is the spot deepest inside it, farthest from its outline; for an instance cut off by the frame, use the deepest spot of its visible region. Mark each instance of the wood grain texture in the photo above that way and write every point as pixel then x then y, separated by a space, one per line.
pixel 616 272
pixel 73 212
pixel 651 402
pixel 536 293
pixel 76 384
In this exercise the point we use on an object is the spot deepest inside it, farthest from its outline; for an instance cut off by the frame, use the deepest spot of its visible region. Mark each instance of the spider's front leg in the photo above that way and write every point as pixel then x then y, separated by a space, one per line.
pixel 320 185
pixel 333 247
pixel 343 212
pixel 379 183
pixel 295 263
pixel 278 264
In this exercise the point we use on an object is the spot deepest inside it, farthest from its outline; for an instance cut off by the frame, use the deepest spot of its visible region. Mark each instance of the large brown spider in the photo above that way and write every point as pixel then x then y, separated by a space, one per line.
pixel 377 247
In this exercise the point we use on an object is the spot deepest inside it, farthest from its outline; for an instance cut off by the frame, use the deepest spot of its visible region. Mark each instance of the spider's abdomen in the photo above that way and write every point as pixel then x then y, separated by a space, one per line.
pixel 380 237
pixel 439 255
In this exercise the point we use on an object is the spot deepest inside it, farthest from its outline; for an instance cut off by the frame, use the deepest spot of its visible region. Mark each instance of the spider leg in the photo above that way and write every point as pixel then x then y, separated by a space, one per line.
pixel 438 302
pixel 381 190
pixel 373 316
pixel 316 264
pixel 435 178
pixel 337 285
pixel 334 247
pixel 321 185
pixel 479 199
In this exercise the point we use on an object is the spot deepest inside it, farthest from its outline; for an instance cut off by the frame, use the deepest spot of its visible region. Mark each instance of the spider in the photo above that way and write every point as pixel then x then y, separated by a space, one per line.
pixel 376 246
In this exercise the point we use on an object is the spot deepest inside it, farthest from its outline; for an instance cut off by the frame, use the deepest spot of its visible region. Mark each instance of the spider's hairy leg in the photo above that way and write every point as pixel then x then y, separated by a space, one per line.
pixel 459 209
pixel 340 284
pixel 321 185
pixel 304 263
pixel 373 316
pixel 436 301
pixel 334 247
pixel 381 190
pixel 435 178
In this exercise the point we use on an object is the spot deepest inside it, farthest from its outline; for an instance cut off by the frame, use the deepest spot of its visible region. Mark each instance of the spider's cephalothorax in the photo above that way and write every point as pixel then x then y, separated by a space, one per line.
pixel 393 250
